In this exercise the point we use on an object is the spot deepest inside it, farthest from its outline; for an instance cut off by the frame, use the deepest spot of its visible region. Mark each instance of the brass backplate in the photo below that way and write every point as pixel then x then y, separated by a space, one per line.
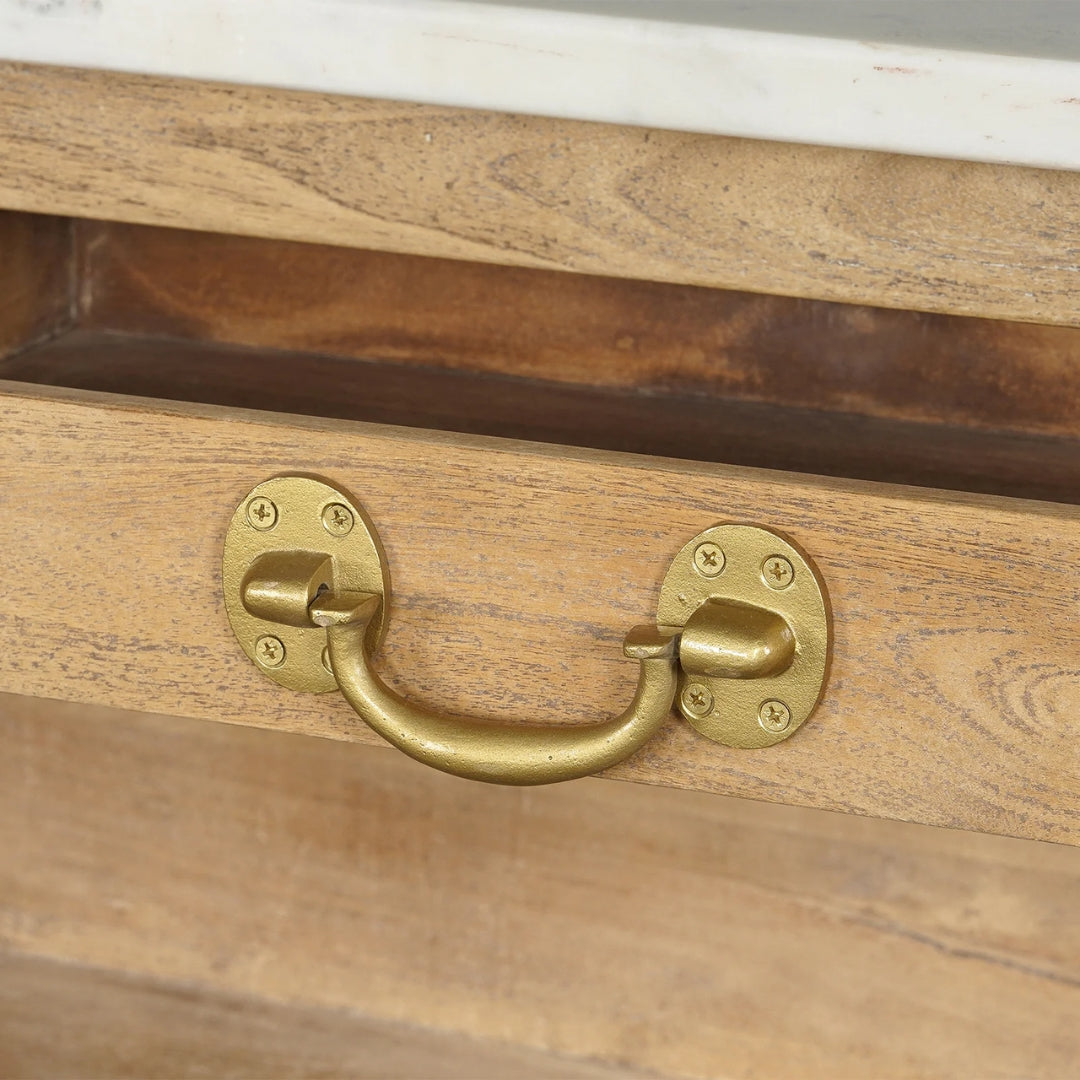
pixel 300 514
pixel 749 565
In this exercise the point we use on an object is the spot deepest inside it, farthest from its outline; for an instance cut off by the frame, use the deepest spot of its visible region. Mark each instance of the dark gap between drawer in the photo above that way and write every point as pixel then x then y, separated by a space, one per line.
pixel 694 426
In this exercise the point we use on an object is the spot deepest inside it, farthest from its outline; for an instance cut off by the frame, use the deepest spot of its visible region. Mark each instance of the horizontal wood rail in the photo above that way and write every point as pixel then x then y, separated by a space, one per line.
pixel 117 1024
pixel 653 928
pixel 856 226
pixel 955 675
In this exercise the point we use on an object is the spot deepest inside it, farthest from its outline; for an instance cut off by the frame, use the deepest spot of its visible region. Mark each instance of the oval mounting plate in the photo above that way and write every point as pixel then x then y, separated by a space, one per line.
pixel 748 564
pixel 287 514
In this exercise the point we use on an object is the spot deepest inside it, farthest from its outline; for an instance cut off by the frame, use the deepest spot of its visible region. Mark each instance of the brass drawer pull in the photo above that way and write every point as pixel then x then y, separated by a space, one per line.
pixel 498 753
pixel 741 640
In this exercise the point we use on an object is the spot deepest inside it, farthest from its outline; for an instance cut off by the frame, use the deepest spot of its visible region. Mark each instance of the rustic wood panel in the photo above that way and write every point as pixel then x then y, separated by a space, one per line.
pixel 670 931
pixel 580 329
pixel 690 426
pixel 832 224
pixel 36 282
pixel 64 1020
pixel 955 668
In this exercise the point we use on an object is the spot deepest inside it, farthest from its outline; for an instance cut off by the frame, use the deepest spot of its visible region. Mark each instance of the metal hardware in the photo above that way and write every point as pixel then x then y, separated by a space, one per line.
pixel 741 639
pixel 709 560
pixel 261 513
pixel 269 651
pixel 774 716
pixel 697 699
pixel 483 750
pixel 337 520
pixel 271 575
pixel 777 572
pixel 756 635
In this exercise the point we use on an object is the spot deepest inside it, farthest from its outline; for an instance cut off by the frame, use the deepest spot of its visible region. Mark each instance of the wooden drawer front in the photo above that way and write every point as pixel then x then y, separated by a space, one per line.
pixel 206 866
pixel 954 675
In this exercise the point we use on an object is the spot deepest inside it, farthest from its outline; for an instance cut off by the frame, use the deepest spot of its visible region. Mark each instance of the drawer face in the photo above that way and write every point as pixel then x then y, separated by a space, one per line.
pixel 654 928
pixel 517 569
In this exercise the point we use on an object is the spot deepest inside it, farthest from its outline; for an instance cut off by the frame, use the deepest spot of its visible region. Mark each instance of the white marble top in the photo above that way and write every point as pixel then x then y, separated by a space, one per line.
pixel 991 80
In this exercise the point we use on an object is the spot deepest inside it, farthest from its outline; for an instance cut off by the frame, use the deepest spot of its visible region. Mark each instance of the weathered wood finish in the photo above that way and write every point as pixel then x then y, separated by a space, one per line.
pixel 905 232
pixel 682 371
pixel 671 931
pixel 64 1020
pixel 576 329
pixel 36 278
pixel 690 426
pixel 955 669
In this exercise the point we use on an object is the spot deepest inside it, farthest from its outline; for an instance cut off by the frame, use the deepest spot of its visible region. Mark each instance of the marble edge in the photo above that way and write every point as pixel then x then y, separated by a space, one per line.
pixel 583 66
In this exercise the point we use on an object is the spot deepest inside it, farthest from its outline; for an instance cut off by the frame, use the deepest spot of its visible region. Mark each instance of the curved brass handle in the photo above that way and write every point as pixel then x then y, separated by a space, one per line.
pixel 482 750
pixel 742 638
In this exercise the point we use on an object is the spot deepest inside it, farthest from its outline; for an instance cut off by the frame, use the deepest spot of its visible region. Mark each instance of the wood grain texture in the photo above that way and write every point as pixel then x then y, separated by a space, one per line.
pixel 690 426
pixel 664 930
pixel 64 1020
pixel 956 636
pixel 577 329
pixel 36 279
pixel 853 226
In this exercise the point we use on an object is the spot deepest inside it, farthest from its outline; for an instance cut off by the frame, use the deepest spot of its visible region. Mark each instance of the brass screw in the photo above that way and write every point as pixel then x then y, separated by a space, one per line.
pixel 697 699
pixel 774 716
pixel 337 520
pixel 270 652
pixel 261 513
pixel 777 572
pixel 708 559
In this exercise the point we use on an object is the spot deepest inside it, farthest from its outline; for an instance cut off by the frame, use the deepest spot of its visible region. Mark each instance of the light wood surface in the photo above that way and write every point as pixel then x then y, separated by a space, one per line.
pixel 664 930
pixel 954 672
pixel 863 227
pixel 36 278
pixel 65 1020
pixel 578 330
